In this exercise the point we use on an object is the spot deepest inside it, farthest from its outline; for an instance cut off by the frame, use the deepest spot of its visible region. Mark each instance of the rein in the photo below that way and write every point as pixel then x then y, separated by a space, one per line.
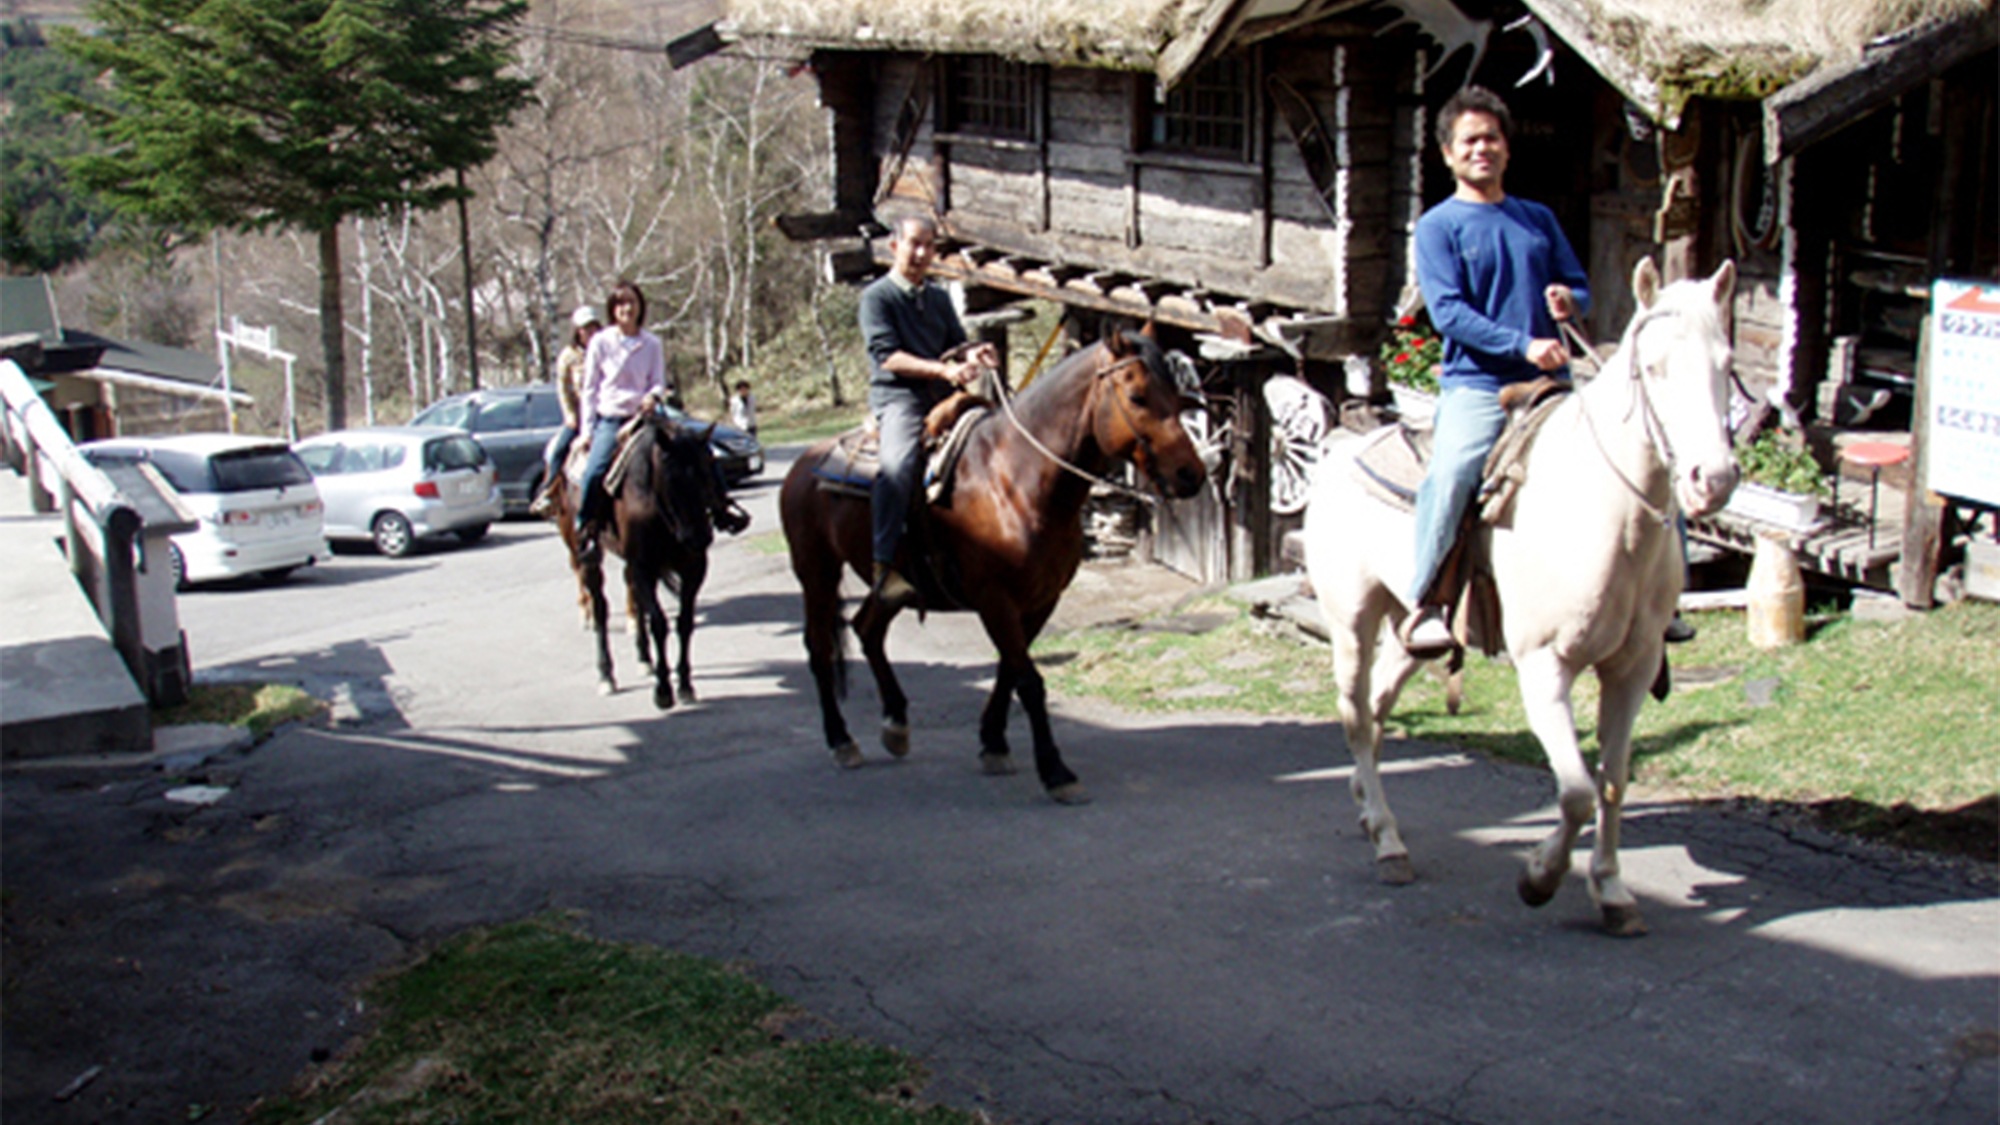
pixel 1007 407
pixel 1656 434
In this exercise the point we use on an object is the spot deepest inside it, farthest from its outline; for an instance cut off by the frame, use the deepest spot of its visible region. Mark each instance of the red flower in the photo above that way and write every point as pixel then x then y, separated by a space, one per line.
pixel 1420 342
pixel 1406 321
pixel 1402 357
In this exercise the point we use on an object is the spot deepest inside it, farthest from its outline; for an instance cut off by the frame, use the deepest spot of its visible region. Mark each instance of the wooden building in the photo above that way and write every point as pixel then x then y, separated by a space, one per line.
pixel 1247 173
pixel 100 387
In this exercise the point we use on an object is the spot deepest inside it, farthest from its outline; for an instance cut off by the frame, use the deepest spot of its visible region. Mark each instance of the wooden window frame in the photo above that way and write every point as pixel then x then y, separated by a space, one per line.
pixel 992 101
pixel 1183 127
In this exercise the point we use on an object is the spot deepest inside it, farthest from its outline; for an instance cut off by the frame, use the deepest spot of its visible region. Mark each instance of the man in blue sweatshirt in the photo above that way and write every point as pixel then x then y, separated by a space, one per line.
pixel 1497 274
pixel 908 326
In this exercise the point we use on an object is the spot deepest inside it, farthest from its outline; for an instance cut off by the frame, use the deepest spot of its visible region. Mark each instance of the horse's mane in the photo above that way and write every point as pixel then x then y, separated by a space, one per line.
pixel 1033 400
pixel 673 464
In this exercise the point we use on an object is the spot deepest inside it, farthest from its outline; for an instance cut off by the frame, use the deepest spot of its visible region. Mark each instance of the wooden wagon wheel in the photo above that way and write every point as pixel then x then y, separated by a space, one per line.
pixel 1298 426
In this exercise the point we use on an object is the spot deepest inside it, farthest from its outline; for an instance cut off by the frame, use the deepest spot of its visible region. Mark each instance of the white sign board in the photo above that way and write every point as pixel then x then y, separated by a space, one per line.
pixel 1962 458
pixel 255 337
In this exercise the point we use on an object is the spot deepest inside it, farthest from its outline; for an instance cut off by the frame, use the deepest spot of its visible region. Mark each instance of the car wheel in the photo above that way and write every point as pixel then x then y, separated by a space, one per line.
pixel 474 533
pixel 179 566
pixel 393 536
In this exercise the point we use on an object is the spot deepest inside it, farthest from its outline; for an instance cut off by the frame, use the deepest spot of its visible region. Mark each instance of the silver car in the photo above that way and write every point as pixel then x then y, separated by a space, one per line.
pixel 395 485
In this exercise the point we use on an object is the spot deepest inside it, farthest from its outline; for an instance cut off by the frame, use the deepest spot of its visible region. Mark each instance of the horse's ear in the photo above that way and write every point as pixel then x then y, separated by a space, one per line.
pixel 1646 282
pixel 1150 331
pixel 1118 342
pixel 1722 286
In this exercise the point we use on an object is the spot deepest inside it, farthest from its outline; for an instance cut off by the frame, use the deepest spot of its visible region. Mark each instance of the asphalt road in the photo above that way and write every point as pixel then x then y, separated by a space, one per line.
pixel 1203 943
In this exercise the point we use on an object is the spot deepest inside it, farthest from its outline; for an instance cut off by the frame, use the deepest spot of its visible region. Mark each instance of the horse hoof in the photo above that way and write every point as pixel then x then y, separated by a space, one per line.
pixel 1623 921
pixel 997 765
pixel 1533 893
pixel 1395 871
pixel 607 687
pixel 847 756
pixel 663 700
pixel 896 738
pixel 1070 794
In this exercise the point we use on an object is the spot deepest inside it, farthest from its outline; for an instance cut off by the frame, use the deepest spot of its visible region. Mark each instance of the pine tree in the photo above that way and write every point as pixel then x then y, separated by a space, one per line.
pixel 295 114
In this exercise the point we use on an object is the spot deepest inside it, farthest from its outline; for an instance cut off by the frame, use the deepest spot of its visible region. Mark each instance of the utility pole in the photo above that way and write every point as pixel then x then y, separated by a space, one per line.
pixel 465 257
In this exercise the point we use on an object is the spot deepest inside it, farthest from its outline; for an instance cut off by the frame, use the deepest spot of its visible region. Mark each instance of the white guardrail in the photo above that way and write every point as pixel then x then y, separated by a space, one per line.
pixel 114 533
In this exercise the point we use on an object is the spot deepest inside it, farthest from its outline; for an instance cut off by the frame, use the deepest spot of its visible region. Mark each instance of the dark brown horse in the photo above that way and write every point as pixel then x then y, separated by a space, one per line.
pixel 1008 543
pixel 662 521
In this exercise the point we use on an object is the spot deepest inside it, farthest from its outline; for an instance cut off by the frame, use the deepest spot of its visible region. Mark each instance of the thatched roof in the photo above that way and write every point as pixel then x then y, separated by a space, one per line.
pixel 1128 34
pixel 1659 53
pixel 1677 49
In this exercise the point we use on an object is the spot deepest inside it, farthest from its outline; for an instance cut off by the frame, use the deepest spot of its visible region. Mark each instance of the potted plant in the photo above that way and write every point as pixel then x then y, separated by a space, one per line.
pixel 1781 482
pixel 1411 357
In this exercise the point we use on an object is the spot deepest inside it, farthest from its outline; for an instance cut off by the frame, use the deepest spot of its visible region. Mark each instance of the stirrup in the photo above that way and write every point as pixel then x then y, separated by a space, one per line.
pixel 1427 633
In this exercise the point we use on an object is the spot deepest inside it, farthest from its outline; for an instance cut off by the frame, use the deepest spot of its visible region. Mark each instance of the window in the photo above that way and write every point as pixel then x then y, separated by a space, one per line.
pixel 546 409
pixel 320 458
pixel 444 454
pixel 495 415
pixel 251 470
pixel 990 97
pixel 1209 114
pixel 456 413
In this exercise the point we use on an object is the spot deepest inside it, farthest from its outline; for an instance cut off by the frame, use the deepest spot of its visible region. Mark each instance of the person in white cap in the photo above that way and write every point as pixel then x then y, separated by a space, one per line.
pixel 584 324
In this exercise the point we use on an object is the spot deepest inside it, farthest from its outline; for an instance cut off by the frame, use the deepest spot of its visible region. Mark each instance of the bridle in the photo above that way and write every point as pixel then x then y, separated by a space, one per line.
pixel 1124 413
pixel 1661 445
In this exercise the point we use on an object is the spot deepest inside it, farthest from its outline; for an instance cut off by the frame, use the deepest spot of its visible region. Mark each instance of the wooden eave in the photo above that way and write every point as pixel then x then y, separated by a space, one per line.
pixel 1822 103
pixel 1570 21
pixel 1121 293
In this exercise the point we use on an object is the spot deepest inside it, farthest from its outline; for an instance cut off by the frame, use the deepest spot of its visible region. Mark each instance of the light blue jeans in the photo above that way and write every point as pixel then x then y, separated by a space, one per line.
pixel 901 420
pixel 1466 425
pixel 603 444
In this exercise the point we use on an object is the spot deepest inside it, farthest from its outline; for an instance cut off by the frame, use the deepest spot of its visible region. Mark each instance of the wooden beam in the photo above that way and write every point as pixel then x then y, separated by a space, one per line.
pixel 695 46
pixel 1055 274
pixel 1571 22
pixel 1923 510
pixel 849 266
pixel 1822 103
pixel 819 226
pixel 1202 41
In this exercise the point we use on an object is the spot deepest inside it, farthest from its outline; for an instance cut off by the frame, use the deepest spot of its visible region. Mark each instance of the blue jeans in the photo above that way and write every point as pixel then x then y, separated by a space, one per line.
pixel 557 453
pixel 1464 429
pixel 901 421
pixel 603 444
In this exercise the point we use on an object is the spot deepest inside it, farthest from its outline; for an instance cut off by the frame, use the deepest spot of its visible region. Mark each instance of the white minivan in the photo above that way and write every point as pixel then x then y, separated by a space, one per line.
pixel 259 510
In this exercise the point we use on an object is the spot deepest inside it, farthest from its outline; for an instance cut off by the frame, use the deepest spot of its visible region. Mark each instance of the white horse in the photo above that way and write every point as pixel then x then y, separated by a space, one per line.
pixel 1587 564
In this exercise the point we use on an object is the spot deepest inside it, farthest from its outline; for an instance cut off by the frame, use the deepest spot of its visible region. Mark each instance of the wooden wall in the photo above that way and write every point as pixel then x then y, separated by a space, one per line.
pixel 1088 193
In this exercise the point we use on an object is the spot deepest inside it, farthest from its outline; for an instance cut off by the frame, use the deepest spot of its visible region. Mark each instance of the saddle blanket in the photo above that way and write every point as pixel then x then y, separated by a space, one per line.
pixel 853 462
pixel 1391 464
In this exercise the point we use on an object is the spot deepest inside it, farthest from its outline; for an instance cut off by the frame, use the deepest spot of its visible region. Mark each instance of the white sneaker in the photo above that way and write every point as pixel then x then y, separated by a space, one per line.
pixel 1428 635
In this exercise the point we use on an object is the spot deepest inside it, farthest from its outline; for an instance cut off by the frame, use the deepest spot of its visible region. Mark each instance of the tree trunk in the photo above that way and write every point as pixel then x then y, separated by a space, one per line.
pixel 332 328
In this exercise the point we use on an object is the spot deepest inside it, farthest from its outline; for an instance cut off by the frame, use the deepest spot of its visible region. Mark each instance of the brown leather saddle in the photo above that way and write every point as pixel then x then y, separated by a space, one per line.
pixel 1391 467
pixel 853 461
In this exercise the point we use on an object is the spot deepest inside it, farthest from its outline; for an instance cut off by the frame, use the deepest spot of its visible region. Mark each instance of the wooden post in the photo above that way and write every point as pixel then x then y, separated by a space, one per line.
pixel 1923 510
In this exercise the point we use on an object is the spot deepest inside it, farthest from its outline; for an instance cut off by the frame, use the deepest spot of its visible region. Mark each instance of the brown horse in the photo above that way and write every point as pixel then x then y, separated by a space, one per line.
pixel 1006 545
pixel 662 521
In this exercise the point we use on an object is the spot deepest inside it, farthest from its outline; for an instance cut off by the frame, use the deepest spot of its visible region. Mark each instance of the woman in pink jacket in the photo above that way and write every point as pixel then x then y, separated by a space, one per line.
pixel 624 372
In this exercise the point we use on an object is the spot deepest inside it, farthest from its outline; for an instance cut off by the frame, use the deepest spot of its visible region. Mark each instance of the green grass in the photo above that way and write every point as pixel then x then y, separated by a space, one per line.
pixel 258 707
pixel 1902 714
pixel 810 424
pixel 532 1022
pixel 766 543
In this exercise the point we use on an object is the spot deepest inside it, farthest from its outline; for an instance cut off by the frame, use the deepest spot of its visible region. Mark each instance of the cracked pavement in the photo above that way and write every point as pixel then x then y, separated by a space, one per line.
pixel 1203 943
